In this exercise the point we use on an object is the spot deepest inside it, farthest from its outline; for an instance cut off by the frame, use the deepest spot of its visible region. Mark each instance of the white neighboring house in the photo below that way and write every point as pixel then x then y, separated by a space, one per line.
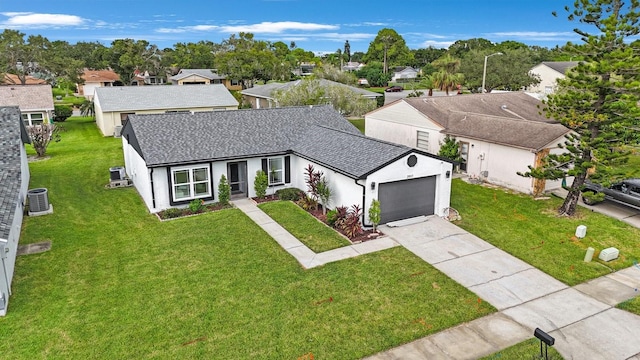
pixel 114 104
pixel 14 173
pixel 173 159
pixel 549 73
pixel 499 134
pixel 406 73
pixel 35 102
pixel 94 79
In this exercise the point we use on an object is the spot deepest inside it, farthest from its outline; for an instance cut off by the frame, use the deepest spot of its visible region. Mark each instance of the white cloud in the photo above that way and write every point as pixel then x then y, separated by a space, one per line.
pixel 276 27
pixel 41 20
pixel 533 35
pixel 436 44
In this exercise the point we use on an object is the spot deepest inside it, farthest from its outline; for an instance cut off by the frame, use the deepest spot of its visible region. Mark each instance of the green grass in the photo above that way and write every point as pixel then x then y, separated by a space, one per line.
pixel 632 305
pixel 530 230
pixel 311 232
pixel 526 350
pixel 359 123
pixel 120 284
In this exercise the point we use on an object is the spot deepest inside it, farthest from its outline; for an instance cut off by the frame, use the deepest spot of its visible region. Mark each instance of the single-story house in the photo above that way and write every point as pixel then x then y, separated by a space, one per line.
pixel 114 104
pixel 549 73
pixel 141 78
pixel 498 134
pixel 204 76
pixel 94 79
pixel 12 79
pixel 261 96
pixel 173 159
pixel 404 73
pixel 14 176
pixel 353 66
pixel 35 102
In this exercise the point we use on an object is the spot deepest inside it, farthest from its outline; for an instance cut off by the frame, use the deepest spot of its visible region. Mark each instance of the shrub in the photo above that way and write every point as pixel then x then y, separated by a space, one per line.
pixel 260 184
pixel 61 112
pixel 331 217
pixel 340 217
pixel 324 193
pixel 43 134
pixel 224 191
pixel 307 203
pixel 374 213
pixel 291 194
pixel 170 213
pixel 352 226
pixel 196 205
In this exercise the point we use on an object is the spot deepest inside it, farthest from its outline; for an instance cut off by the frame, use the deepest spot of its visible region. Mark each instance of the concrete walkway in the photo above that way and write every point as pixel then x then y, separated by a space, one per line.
pixel 305 256
pixel 582 319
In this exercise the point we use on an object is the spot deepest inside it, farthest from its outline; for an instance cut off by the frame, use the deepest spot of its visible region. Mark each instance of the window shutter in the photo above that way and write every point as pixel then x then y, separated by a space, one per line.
pixel 264 166
pixel 287 168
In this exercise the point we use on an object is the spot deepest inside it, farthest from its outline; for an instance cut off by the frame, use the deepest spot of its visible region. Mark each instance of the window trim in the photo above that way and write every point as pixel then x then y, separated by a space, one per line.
pixel 282 170
pixel 191 183
pixel 29 120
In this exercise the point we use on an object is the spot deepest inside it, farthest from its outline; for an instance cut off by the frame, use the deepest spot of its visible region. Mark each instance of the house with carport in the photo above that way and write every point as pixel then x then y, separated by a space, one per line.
pixel 114 104
pixel 14 177
pixel 499 135
pixel 173 159
pixel 35 102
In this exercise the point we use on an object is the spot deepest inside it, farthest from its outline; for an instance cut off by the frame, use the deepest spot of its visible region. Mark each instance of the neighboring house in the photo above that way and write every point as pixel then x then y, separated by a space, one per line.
pixel 406 73
pixel 203 76
pixel 549 73
pixel 353 66
pixel 35 102
pixel 11 79
pixel 499 134
pixel 141 78
pixel 94 79
pixel 114 104
pixel 261 96
pixel 173 159
pixel 14 177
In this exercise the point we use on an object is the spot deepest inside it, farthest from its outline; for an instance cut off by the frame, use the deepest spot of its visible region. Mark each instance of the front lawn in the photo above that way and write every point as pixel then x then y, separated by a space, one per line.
pixel 304 227
pixel 359 123
pixel 631 305
pixel 530 230
pixel 120 284
pixel 526 350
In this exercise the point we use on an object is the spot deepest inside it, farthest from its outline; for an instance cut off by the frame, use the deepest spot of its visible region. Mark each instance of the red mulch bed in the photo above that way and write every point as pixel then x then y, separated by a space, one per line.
pixel 364 236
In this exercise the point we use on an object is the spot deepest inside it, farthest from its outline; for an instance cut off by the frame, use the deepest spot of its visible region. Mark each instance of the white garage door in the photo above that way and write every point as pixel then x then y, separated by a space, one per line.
pixel 407 198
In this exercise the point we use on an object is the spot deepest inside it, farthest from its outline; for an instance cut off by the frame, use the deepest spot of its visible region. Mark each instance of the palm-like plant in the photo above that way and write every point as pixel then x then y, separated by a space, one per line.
pixel 87 108
pixel 447 77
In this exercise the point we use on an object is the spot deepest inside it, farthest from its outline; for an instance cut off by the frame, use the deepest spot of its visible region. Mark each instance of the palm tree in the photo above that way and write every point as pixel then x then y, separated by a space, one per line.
pixel 447 77
pixel 87 108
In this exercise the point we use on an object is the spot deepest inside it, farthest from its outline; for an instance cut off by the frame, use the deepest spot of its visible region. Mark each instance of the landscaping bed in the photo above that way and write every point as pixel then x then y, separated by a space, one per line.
pixel 175 213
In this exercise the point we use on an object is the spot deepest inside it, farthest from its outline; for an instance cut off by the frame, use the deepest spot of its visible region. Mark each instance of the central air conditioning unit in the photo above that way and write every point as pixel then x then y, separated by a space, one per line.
pixel 609 254
pixel 38 200
pixel 116 173
pixel 117 131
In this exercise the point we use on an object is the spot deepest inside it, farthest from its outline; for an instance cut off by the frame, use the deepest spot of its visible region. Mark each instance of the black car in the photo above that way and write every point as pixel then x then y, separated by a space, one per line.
pixel 395 88
pixel 625 192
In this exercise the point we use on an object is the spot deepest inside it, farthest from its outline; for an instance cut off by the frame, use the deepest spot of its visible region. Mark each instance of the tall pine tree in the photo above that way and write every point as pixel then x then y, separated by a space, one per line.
pixel 598 99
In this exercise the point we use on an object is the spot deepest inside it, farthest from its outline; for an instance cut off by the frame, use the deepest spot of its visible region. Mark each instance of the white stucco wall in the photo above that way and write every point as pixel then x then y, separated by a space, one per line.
pixel 548 77
pixel 137 171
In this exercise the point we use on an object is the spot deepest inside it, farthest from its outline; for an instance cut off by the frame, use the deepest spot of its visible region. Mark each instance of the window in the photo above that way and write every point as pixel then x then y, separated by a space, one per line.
pixel 235 82
pixel 276 171
pixel 423 140
pixel 31 119
pixel 548 89
pixel 190 183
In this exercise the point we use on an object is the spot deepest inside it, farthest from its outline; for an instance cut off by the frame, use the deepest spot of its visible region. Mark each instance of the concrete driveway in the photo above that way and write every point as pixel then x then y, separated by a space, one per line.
pixel 612 209
pixel 582 319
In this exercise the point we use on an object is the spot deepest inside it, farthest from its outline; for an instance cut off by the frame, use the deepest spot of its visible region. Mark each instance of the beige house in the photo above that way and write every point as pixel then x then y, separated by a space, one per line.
pixel 549 73
pixel 499 134
pixel 204 76
pixel 35 102
pixel 94 79
pixel 114 104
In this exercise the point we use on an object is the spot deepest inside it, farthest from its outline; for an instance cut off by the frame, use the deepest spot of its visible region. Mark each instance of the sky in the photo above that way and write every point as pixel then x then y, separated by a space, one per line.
pixel 320 26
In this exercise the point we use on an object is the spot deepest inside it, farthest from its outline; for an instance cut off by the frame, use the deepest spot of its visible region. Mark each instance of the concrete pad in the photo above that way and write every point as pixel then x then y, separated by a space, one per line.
pixel 434 228
pixel 259 217
pixel 556 310
pixel 333 255
pixel 607 290
pixel 609 335
pixel 629 276
pixel 518 288
pixel 409 221
pixel 462 342
pixel 303 254
pixel 281 236
pixel 452 247
pixel 500 330
pixel 379 244
pixel 482 267
pixel 419 349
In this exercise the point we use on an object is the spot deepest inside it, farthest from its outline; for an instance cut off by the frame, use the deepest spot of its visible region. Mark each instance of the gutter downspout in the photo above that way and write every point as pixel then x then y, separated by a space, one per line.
pixel 153 193
pixel 364 197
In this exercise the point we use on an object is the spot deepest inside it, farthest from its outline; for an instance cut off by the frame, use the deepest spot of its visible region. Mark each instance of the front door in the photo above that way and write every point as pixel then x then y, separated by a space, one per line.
pixel 237 175
pixel 464 155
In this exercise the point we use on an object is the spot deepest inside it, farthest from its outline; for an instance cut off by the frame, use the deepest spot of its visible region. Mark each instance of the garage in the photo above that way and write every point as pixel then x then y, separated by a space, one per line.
pixel 407 198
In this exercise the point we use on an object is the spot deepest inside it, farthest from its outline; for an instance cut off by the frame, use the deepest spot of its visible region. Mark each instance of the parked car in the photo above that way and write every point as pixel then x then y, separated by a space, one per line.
pixel 626 192
pixel 395 88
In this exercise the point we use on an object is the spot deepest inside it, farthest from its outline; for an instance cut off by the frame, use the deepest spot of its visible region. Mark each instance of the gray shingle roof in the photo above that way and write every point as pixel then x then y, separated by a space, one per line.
pixel 11 139
pixel 133 98
pixel 205 73
pixel 27 97
pixel 266 91
pixel 511 118
pixel 318 133
pixel 561 66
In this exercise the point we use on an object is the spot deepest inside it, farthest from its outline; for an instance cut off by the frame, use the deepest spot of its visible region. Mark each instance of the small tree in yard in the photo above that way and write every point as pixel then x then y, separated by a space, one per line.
pixel 224 191
pixel 61 112
pixel 374 214
pixel 324 193
pixel 598 99
pixel 450 149
pixel 41 135
pixel 260 184
pixel 312 178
